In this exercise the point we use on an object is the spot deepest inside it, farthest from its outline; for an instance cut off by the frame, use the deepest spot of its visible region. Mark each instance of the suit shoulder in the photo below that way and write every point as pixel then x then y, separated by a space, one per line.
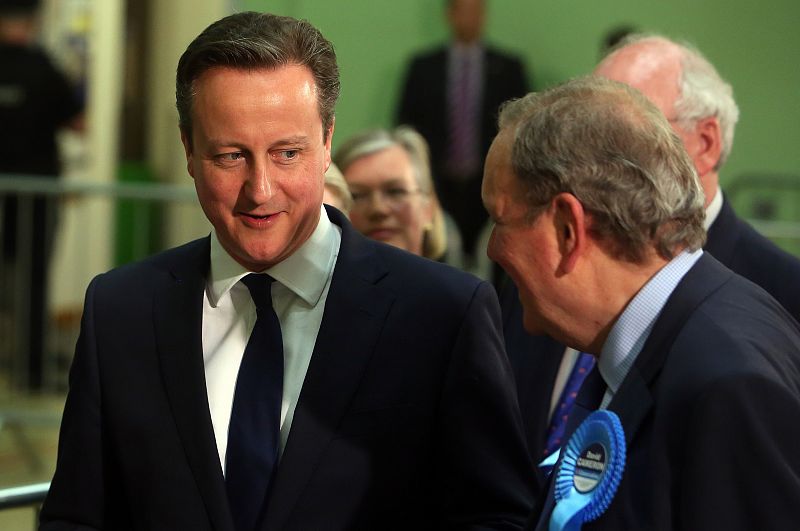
pixel 502 55
pixel 429 55
pixel 425 278
pixel 740 326
pixel 762 261
pixel 427 60
pixel 757 247
pixel 191 254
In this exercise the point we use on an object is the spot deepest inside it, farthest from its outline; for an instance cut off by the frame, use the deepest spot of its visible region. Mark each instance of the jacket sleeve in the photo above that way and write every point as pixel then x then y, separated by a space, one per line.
pixel 76 497
pixel 488 480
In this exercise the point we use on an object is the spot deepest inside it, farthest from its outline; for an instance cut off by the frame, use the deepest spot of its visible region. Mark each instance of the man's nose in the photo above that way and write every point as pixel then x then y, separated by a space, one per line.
pixel 260 184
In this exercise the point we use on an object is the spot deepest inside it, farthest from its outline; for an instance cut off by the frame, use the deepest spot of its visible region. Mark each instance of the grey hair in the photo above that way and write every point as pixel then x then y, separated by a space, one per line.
pixel 251 40
pixel 413 143
pixel 610 147
pixel 703 92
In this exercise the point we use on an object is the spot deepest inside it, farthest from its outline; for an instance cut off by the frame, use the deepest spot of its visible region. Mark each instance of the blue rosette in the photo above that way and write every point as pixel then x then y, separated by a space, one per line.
pixel 589 472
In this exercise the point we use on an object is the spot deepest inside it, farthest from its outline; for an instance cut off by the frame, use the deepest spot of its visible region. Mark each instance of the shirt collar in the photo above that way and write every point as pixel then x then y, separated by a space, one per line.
pixel 713 209
pixel 305 272
pixel 474 49
pixel 629 333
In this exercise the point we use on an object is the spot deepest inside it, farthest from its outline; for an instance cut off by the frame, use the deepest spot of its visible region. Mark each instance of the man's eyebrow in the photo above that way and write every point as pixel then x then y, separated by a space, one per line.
pixel 293 141
pixel 218 142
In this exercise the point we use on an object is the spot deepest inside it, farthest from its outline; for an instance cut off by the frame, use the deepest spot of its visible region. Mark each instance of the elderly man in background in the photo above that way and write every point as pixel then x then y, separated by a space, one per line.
pixel 700 107
pixel 599 222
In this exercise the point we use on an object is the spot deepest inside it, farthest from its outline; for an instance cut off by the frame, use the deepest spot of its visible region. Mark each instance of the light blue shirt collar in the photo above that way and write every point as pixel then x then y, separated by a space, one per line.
pixel 305 272
pixel 629 333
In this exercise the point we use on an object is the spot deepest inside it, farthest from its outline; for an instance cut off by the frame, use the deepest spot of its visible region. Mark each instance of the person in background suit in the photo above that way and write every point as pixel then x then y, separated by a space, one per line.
pixel 700 108
pixel 451 96
pixel 598 217
pixel 352 385
pixel 37 100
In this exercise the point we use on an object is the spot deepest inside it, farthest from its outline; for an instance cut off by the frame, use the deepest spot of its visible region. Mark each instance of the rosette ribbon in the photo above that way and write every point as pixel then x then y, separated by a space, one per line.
pixel 589 472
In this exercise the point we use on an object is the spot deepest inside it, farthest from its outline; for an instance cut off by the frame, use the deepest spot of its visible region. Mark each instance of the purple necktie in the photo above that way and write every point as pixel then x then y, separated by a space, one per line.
pixel 463 147
pixel 558 423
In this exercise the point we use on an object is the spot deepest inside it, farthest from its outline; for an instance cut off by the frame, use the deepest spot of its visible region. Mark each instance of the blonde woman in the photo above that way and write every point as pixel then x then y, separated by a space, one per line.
pixel 389 176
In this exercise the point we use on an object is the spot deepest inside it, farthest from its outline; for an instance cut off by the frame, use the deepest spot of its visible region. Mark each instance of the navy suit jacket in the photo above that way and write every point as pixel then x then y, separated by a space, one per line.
pixel 423 102
pixel 741 248
pixel 407 418
pixel 536 359
pixel 710 412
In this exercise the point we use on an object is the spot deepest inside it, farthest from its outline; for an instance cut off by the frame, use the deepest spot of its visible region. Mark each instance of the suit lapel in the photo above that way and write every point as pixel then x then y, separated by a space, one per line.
pixel 634 399
pixel 355 311
pixel 178 314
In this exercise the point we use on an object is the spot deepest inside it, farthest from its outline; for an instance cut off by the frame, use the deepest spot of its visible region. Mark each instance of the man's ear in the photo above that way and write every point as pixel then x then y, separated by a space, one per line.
pixel 571 225
pixel 187 148
pixel 709 146
pixel 329 144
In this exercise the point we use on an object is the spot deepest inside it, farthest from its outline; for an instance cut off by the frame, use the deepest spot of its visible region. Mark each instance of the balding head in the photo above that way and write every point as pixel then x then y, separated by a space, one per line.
pixel 685 86
pixel 652 66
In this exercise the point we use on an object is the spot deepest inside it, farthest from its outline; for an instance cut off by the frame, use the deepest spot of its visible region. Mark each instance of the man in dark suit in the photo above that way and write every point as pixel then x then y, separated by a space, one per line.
pixel 351 386
pixel 451 96
pixel 599 222
pixel 700 107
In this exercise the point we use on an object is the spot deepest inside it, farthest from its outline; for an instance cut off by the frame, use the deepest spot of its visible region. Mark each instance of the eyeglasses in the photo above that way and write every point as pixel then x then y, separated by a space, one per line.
pixel 394 196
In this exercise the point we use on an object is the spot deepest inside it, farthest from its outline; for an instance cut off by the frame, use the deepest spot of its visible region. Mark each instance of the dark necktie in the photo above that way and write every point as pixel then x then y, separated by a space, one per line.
pixel 254 431
pixel 558 424
pixel 589 399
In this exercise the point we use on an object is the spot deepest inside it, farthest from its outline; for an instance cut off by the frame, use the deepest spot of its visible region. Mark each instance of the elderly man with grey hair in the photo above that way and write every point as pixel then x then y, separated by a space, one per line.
pixel 699 105
pixel 599 222
pixel 700 108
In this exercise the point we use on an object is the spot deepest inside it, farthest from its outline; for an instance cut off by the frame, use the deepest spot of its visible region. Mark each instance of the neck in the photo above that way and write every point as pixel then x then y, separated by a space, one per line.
pixel 615 283
pixel 710 184
pixel 466 41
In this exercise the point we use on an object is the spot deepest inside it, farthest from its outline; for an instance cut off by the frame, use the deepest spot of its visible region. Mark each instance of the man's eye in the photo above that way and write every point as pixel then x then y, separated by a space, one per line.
pixel 230 157
pixel 289 154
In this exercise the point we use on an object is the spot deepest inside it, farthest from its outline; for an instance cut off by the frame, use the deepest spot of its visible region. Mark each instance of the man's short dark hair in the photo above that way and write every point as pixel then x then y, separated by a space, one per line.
pixel 253 40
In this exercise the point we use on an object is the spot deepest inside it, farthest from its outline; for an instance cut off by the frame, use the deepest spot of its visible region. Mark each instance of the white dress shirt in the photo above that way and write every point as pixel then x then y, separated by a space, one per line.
pixel 298 295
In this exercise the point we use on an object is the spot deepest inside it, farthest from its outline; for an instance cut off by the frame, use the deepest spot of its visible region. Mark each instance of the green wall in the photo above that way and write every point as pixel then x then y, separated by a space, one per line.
pixel 755 45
